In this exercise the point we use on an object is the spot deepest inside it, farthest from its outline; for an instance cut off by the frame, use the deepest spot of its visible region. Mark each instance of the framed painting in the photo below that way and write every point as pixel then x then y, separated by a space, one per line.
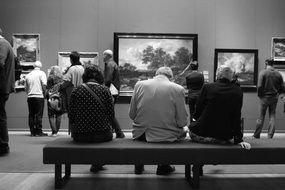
pixel 85 58
pixel 278 49
pixel 243 61
pixel 20 84
pixel 139 55
pixel 27 48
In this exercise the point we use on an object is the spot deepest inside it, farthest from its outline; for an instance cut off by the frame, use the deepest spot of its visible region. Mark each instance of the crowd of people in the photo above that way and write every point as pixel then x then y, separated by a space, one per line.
pixel 157 108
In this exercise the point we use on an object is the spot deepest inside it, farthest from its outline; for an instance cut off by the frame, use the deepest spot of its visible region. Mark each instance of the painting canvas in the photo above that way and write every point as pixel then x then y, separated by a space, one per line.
pixel 27 48
pixel 243 61
pixel 139 55
pixel 278 48
pixel 86 58
pixel 20 84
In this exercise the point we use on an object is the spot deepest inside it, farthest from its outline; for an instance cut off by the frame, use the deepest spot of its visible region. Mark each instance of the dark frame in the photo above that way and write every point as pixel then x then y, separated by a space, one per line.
pixel 243 61
pixel 133 39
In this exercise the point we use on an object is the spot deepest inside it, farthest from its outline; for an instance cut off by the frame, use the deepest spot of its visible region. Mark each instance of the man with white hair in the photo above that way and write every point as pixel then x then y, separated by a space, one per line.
pixel 7 82
pixel 112 81
pixel 158 112
pixel 36 82
pixel 218 112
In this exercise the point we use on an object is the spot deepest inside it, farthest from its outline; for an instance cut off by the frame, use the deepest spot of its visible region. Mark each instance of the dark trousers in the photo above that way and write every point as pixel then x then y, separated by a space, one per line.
pixel 115 124
pixel 192 101
pixel 4 138
pixel 36 109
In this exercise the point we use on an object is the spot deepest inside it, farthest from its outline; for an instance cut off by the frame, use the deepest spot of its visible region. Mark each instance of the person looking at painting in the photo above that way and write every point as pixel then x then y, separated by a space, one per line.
pixel 91 114
pixel 269 87
pixel 7 82
pixel 194 82
pixel 158 112
pixel 72 78
pixel 218 112
pixel 55 79
pixel 36 82
pixel 112 81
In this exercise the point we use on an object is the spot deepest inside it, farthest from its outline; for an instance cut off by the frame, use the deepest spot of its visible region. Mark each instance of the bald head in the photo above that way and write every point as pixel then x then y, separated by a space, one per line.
pixel 166 71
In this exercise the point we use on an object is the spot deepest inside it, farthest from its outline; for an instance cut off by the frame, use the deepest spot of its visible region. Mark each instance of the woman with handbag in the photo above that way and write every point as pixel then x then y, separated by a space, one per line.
pixel 91 110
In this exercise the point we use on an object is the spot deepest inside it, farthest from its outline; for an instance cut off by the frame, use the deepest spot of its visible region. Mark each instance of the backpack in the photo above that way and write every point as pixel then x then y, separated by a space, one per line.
pixel 55 101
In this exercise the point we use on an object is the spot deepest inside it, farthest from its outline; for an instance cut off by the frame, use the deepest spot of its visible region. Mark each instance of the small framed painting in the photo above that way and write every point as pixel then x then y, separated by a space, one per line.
pixel 27 48
pixel 86 58
pixel 278 49
pixel 243 61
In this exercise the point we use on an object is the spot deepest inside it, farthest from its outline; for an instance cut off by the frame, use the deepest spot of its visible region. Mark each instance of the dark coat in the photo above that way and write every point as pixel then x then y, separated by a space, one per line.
pixel 218 111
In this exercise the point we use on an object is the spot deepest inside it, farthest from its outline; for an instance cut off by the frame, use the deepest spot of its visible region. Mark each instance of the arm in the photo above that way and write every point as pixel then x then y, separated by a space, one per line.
pixel 201 103
pixel 260 85
pixel 181 113
pixel 133 104
pixel 236 121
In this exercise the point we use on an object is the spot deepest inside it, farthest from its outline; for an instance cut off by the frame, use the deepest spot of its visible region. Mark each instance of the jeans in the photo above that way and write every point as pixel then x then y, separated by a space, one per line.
pixel 36 109
pixel 269 103
pixel 4 138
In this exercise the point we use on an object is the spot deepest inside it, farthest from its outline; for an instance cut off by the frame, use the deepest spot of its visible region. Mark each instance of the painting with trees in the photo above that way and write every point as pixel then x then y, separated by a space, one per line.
pixel 139 55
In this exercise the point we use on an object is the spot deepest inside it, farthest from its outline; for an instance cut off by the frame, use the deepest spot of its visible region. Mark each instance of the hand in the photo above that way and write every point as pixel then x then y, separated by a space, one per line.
pixel 282 96
pixel 245 145
pixel 186 129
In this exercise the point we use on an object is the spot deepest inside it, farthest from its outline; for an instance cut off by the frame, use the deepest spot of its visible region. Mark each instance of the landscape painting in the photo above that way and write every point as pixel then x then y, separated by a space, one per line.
pixel 27 48
pixel 278 48
pixel 86 58
pixel 243 61
pixel 139 55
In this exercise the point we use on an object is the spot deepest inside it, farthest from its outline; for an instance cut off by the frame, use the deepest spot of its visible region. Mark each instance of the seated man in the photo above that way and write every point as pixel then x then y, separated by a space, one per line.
pixel 158 112
pixel 91 116
pixel 218 112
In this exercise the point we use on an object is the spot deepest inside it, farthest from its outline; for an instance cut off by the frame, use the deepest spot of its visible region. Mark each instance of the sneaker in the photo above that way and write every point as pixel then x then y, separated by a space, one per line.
pixel 164 169
pixel 96 167
pixel 41 134
pixel 139 168
pixel 4 150
pixel 53 135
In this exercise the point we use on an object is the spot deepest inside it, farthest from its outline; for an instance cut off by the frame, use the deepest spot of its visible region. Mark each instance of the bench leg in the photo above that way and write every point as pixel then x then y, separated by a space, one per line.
pixel 57 176
pixel 196 176
pixel 188 171
pixel 60 181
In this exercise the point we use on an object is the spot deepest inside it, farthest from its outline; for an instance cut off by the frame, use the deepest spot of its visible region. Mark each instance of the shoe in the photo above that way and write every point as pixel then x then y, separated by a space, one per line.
pixel 4 150
pixel 53 135
pixel 96 167
pixel 41 134
pixel 164 169
pixel 139 168
pixel 120 135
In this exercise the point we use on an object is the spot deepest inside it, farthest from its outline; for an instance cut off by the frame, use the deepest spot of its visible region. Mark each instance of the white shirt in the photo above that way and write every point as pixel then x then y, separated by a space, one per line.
pixel 34 83
pixel 158 109
pixel 74 75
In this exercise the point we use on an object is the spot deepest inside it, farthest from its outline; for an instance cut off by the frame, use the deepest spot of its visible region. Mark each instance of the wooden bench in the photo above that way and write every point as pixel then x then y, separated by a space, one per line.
pixel 63 151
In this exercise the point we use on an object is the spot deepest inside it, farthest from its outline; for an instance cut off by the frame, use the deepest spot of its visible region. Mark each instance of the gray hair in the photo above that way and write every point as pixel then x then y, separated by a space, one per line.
pixel 224 72
pixel 164 71
pixel 108 52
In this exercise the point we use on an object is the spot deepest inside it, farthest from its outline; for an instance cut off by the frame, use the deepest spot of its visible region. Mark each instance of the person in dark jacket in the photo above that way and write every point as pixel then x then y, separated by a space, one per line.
pixel 194 82
pixel 269 87
pixel 7 82
pixel 218 112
